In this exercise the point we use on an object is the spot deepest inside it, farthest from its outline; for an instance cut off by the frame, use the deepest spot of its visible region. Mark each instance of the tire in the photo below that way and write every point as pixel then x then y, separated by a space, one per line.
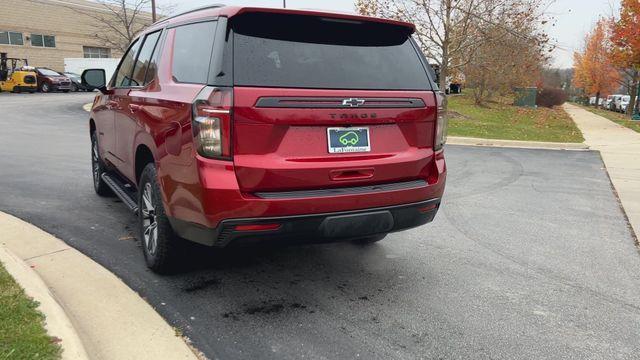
pixel 65 91
pixel 369 239
pixel 97 169
pixel 45 88
pixel 162 248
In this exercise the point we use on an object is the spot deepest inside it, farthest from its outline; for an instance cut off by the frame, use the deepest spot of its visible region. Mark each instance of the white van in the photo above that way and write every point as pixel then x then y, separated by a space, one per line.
pixel 624 103
pixel 613 102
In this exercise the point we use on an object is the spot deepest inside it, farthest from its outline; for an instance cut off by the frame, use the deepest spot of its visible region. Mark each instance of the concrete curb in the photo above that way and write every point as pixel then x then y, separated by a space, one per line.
pixel 87 107
pixel 56 321
pixel 468 141
pixel 112 321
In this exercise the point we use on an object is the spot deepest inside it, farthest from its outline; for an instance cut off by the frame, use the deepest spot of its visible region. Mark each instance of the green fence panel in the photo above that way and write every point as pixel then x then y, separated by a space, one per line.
pixel 526 97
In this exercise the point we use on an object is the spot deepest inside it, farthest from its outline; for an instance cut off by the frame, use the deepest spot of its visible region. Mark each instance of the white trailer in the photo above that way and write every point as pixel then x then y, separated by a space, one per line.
pixel 78 65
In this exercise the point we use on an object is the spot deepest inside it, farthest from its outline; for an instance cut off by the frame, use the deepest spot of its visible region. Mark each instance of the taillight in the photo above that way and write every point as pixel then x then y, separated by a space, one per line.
pixel 441 122
pixel 211 122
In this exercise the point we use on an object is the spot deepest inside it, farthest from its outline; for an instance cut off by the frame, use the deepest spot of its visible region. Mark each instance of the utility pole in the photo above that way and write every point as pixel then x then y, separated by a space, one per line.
pixel 636 115
pixel 153 10
pixel 284 4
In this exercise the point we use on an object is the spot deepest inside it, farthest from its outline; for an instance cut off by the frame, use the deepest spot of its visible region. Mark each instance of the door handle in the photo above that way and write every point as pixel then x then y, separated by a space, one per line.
pixel 134 107
pixel 351 174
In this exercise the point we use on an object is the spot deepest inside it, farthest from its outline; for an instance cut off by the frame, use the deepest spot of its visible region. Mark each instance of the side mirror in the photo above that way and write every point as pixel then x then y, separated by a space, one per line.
pixel 95 79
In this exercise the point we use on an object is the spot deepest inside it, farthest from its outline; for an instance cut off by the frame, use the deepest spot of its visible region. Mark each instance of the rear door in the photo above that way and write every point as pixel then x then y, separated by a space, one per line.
pixel 322 102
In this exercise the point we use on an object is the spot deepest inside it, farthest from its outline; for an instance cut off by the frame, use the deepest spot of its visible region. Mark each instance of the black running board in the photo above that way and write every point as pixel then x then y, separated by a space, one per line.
pixel 125 192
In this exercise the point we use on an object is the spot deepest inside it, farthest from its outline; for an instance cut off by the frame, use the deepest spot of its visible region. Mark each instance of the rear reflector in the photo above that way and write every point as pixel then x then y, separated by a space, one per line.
pixel 427 208
pixel 257 227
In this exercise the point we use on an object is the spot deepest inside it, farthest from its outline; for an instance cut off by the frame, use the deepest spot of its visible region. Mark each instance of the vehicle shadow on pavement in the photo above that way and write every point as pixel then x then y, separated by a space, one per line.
pixel 201 258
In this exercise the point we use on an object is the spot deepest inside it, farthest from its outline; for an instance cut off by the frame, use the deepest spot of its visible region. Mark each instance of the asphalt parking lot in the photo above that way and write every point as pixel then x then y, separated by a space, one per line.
pixel 530 257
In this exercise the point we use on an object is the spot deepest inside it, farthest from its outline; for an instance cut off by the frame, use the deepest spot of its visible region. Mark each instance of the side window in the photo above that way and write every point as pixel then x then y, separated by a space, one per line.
pixel 152 71
pixel 192 52
pixel 123 76
pixel 144 59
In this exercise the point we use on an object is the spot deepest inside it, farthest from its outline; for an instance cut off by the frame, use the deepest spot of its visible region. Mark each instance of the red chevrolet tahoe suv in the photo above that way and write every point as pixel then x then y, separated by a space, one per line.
pixel 227 125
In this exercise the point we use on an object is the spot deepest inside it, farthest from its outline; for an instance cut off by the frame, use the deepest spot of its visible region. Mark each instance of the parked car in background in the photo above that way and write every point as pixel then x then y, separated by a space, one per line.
pixel 49 80
pixel 613 102
pixel 592 101
pixel 624 103
pixel 607 103
pixel 76 82
pixel 288 132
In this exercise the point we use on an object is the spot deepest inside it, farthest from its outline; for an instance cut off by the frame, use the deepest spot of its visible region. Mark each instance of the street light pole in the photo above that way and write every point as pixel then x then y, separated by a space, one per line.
pixel 153 10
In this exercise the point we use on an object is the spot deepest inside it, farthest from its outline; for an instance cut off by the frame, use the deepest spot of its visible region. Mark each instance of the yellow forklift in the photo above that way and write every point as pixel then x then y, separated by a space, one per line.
pixel 16 75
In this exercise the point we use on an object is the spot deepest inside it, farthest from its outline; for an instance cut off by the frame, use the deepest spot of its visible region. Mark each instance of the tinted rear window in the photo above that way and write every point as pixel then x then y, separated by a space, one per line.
pixel 308 52
pixel 192 52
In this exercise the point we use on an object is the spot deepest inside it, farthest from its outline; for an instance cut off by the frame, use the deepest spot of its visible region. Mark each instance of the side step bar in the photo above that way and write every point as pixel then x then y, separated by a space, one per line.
pixel 125 192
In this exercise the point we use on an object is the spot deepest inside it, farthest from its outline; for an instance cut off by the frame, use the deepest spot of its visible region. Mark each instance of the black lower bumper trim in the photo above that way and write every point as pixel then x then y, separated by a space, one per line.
pixel 327 227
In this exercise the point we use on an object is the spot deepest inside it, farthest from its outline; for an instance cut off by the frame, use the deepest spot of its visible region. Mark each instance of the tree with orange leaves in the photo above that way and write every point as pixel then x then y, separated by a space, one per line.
pixel 594 71
pixel 625 49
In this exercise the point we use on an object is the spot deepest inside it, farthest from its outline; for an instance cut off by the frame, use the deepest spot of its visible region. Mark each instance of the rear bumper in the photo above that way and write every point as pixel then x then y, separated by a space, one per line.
pixel 208 196
pixel 313 228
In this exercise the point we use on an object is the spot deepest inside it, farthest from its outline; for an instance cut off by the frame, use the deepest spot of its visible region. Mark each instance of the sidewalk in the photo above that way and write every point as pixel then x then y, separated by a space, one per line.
pixel 111 320
pixel 620 149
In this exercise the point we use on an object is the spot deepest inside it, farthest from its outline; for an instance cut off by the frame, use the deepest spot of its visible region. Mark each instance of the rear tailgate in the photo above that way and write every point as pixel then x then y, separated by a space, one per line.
pixel 281 145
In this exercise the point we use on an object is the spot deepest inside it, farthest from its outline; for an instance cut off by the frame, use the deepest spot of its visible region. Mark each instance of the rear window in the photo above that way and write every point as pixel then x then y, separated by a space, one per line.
pixel 192 52
pixel 275 50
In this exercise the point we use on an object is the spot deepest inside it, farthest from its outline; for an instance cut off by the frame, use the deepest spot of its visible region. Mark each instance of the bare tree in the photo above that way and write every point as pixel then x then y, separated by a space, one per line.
pixel 117 22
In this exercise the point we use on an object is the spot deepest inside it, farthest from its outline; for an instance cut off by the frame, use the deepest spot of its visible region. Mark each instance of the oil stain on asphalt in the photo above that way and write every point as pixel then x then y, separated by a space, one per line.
pixel 267 307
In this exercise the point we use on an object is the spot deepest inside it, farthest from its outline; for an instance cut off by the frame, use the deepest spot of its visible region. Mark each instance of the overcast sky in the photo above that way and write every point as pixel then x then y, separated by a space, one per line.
pixel 573 18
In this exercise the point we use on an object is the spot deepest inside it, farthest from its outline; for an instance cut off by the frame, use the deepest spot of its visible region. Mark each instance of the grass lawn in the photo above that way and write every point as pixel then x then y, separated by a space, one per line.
pixel 501 120
pixel 22 335
pixel 616 117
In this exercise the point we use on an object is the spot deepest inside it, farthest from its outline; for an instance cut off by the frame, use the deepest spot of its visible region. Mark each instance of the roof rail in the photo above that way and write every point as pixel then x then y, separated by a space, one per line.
pixel 213 6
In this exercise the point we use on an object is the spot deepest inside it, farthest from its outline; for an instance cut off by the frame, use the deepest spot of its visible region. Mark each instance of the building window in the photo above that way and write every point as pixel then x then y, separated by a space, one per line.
pixel 11 38
pixel 36 40
pixel 49 41
pixel 96 52
pixel 43 40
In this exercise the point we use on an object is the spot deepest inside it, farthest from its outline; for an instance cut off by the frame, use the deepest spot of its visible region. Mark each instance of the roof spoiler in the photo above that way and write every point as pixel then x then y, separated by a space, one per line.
pixel 329 15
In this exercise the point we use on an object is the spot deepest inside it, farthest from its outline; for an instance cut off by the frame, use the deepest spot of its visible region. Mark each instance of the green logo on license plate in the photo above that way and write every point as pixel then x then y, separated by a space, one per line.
pixel 349 139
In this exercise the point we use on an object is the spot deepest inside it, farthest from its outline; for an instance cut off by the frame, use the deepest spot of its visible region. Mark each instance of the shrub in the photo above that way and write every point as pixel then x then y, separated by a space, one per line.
pixel 550 97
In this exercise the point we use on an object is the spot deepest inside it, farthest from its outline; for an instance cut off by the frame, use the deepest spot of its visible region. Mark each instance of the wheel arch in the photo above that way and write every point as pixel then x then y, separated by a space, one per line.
pixel 143 156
